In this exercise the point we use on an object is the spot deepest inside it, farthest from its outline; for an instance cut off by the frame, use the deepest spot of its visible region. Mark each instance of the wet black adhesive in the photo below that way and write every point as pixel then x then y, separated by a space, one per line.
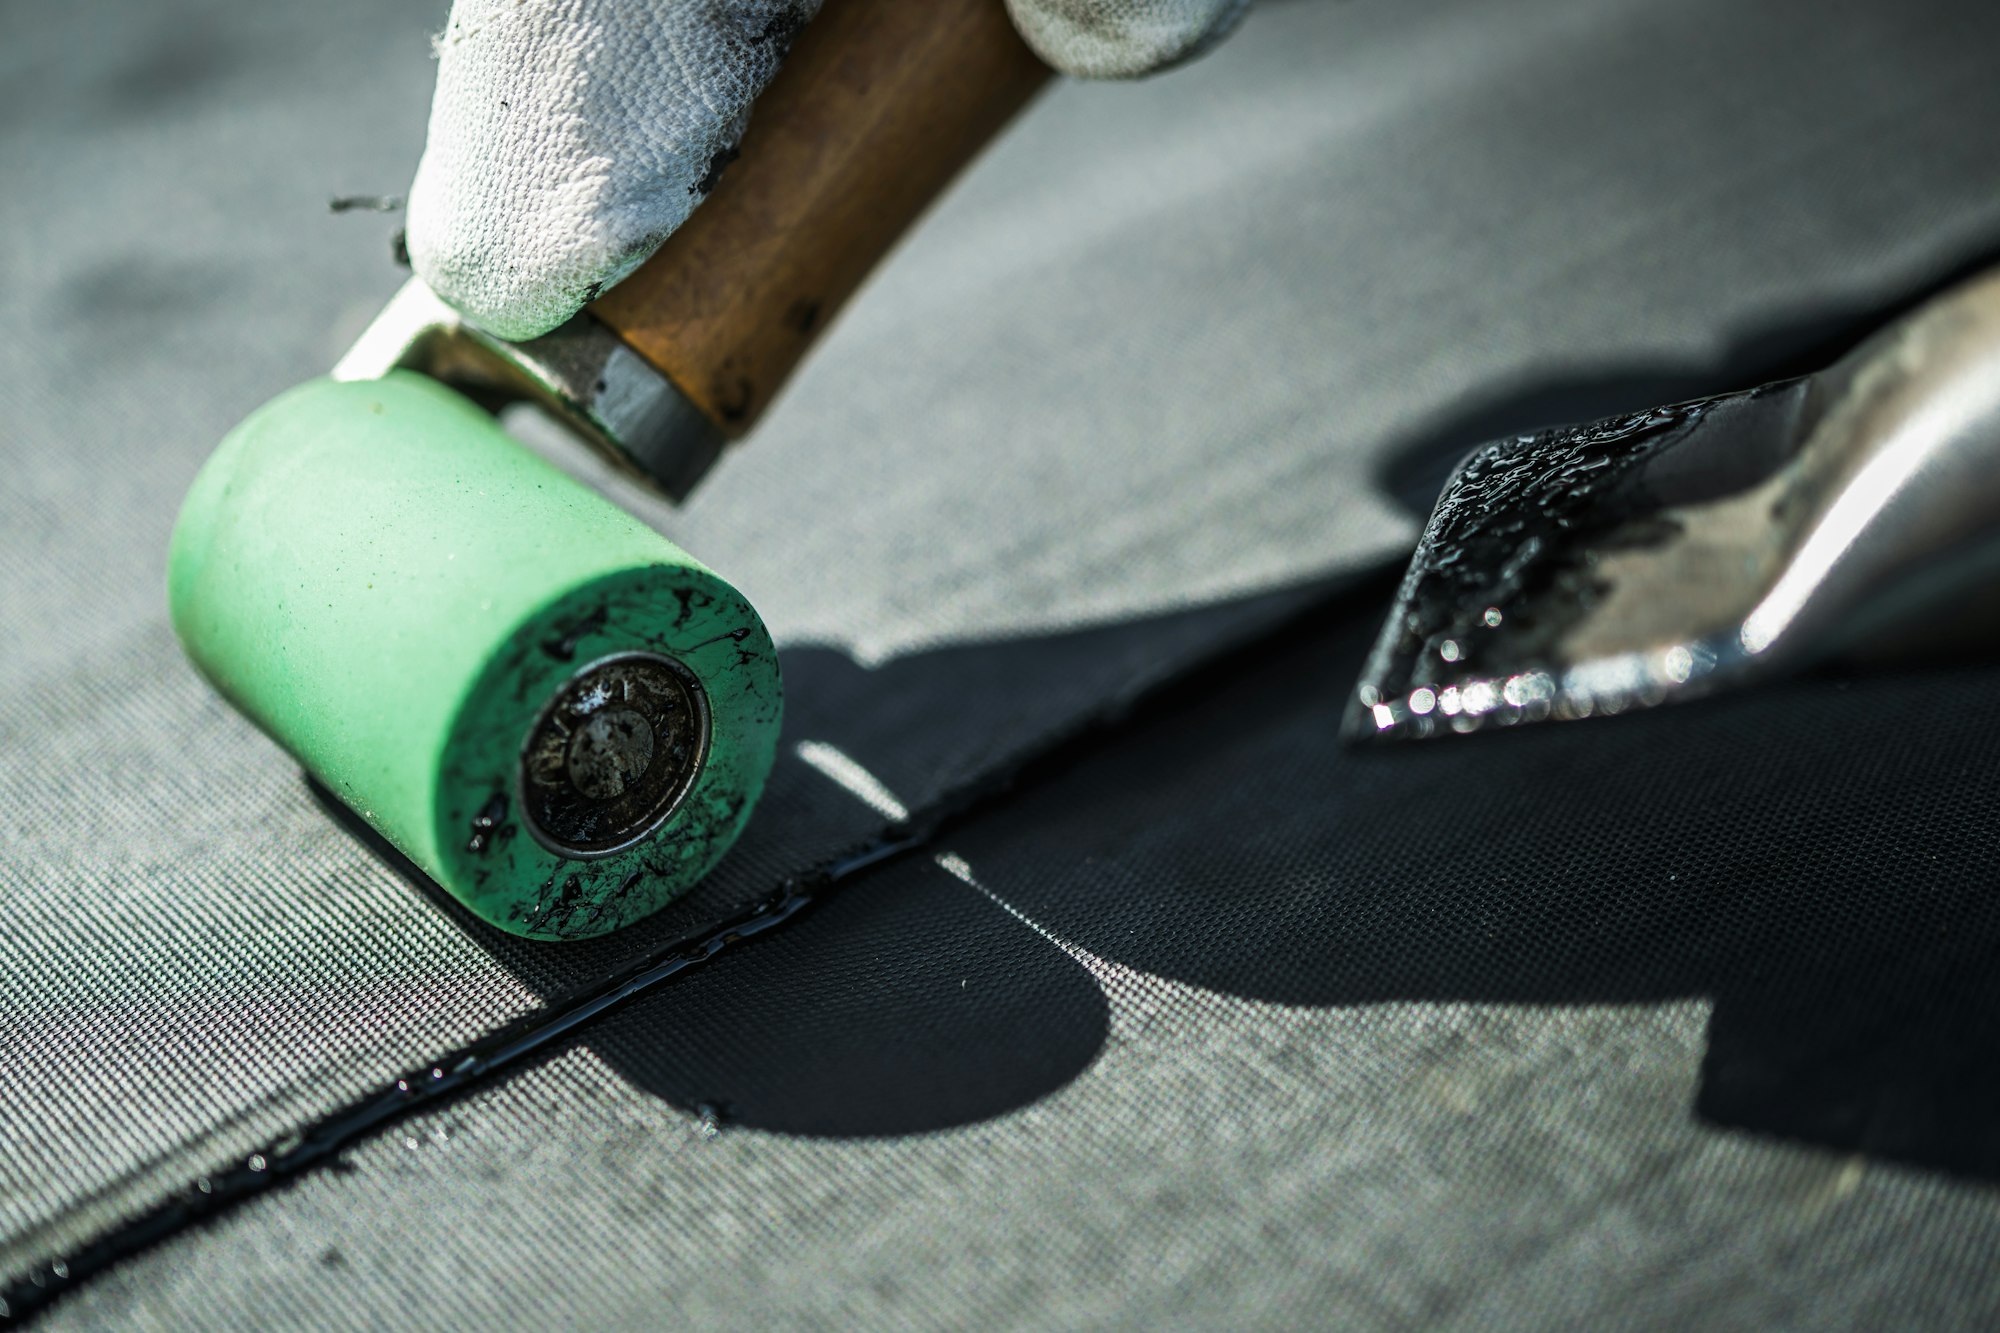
pixel 1509 563
pixel 1507 533
pixel 322 1143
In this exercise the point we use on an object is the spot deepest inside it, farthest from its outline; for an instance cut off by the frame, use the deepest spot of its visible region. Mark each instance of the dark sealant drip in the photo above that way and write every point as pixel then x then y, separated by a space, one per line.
pixel 322 1142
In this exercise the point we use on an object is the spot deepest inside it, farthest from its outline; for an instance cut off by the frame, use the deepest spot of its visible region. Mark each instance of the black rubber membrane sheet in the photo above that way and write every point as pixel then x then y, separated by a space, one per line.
pixel 1109 988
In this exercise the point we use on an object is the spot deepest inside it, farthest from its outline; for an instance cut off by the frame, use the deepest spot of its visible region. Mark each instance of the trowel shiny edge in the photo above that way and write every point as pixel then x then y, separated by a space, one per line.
pixel 1677 552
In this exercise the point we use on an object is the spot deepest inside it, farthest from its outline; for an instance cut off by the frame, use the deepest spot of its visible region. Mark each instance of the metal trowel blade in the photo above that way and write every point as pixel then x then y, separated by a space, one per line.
pixel 1673 553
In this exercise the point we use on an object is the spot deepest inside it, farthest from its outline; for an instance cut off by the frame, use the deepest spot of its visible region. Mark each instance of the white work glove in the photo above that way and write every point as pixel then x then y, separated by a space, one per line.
pixel 568 138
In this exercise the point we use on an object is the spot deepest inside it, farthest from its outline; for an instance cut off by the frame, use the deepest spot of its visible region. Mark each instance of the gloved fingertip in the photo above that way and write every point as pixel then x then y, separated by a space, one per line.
pixel 568 141
pixel 1123 39
pixel 464 257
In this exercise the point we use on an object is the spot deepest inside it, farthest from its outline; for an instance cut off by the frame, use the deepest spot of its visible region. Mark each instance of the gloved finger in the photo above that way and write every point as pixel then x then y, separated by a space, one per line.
pixel 567 140
pixel 1123 39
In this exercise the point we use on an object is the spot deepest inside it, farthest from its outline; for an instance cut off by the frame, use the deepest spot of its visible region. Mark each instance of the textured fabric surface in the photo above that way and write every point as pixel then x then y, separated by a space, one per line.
pixel 1138 376
pixel 1636 1024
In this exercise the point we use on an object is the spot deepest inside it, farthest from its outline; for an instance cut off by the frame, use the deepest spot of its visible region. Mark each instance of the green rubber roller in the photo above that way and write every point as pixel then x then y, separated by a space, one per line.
pixel 557 714
pixel 554 712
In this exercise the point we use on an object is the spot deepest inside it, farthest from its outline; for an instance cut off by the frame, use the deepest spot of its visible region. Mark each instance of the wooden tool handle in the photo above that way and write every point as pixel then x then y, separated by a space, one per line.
pixel 876 108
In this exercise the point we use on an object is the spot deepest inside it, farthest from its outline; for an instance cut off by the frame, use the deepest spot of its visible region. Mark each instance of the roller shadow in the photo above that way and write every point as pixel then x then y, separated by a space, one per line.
pixel 907 1001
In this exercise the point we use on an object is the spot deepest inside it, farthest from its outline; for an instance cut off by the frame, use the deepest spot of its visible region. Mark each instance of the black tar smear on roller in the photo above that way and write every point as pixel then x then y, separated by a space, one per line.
pixel 321 1143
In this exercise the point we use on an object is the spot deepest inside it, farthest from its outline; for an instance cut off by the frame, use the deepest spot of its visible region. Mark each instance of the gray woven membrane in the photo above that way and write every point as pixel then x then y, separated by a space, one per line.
pixel 1134 391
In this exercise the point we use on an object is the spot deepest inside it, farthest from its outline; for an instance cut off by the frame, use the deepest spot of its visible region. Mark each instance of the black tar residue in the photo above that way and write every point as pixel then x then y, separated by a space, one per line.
pixel 1521 526
pixel 563 646
pixel 1508 532
pixel 321 1143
